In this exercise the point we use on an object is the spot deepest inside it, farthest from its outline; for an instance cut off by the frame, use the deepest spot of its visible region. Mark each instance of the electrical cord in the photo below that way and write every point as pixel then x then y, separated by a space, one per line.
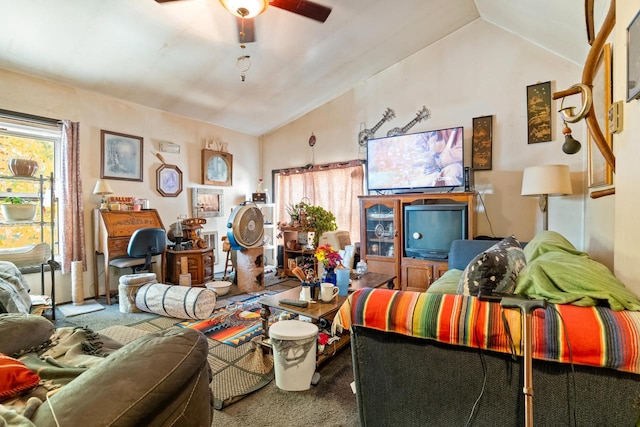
pixel 486 214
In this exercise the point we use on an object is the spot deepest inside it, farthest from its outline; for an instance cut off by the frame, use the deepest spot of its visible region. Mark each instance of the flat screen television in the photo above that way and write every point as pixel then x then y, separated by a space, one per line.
pixel 430 229
pixel 416 161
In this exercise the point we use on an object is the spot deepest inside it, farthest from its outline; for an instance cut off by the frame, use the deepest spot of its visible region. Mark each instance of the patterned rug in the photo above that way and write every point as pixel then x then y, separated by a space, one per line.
pixel 236 323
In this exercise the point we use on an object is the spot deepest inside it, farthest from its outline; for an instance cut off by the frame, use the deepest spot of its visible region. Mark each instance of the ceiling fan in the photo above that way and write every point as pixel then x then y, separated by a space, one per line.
pixel 246 10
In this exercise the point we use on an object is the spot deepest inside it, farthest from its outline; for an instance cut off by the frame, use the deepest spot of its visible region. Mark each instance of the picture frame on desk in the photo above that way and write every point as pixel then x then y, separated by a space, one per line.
pixel 120 156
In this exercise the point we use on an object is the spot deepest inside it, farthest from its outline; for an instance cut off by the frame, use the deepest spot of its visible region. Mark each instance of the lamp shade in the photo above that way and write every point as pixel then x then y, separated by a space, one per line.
pixel 102 188
pixel 553 180
pixel 251 8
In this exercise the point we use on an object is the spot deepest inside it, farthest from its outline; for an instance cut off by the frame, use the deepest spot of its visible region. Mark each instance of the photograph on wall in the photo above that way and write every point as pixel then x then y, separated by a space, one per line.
pixel 121 156
pixel 481 143
pixel 633 59
pixel 539 113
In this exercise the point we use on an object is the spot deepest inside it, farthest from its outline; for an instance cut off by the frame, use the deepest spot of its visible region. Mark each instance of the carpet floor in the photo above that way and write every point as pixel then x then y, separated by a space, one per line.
pixel 330 403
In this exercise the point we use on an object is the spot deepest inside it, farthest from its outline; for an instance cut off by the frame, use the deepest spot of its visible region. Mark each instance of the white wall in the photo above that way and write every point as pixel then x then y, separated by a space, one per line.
pixel 627 151
pixel 476 71
pixel 95 112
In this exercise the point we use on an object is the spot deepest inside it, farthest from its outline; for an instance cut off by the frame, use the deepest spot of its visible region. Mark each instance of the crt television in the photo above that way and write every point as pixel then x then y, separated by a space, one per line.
pixel 429 229
pixel 416 161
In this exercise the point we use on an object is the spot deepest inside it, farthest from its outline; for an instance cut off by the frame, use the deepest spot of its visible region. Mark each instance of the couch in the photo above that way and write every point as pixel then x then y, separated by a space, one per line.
pixel 83 378
pixel 443 358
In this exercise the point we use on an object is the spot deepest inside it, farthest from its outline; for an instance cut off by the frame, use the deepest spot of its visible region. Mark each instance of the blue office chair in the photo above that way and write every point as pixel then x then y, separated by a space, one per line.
pixel 145 243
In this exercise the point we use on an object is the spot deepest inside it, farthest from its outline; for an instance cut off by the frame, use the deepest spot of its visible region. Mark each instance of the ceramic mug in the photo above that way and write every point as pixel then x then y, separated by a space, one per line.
pixel 305 293
pixel 328 291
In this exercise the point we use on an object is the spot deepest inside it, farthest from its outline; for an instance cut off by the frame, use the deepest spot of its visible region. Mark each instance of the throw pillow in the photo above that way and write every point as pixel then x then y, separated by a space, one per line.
pixel 15 378
pixel 23 331
pixel 494 270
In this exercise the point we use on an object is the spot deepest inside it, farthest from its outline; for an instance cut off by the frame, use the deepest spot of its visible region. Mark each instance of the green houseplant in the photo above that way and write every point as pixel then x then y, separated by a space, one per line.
pixel 319 219
pixel 18 209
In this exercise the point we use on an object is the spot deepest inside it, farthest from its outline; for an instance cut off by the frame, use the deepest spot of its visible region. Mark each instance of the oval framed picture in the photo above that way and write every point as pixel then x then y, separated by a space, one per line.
pixel 169 180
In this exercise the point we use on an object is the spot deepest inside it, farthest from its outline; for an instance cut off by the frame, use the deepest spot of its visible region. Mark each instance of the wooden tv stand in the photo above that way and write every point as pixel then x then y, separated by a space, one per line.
pixel 382 237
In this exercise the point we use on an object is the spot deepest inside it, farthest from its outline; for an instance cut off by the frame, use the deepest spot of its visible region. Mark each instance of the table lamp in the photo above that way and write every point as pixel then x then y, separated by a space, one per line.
pixel 544 181
pixel 102 188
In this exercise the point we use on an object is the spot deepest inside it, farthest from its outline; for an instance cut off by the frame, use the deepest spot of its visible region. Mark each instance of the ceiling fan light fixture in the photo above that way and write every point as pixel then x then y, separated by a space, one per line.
pixel 245 8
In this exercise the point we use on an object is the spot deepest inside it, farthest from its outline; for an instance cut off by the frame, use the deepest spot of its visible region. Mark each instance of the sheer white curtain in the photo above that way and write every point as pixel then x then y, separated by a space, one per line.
pixel 335 187
pixel 71 208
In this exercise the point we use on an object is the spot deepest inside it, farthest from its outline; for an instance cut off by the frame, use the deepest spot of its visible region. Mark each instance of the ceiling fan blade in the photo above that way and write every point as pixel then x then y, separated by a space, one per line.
pixel 249 30
pixel 311 10
pixel 165 1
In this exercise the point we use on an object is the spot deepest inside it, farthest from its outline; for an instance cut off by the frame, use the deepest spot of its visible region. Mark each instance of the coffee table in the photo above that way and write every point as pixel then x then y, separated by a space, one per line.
pixel 319 311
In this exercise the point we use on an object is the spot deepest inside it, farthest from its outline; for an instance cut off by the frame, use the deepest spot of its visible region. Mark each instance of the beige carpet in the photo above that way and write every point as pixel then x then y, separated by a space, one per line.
pixel 237 371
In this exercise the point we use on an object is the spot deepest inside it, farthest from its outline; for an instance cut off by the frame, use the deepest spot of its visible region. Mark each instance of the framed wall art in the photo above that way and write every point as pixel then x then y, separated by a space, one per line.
pixel 633 59
pixel 539 113
pixel 481 143
pixel 120 156
pixel 206 203
pixel 169 180
pixel 217 167
pixel 599 171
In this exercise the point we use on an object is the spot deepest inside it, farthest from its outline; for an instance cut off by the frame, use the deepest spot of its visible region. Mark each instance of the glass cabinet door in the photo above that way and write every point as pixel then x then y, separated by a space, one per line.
pixel 380 230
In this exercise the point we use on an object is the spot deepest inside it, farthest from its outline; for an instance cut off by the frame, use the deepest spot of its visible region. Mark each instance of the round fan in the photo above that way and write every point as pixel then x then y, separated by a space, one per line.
pixel 245 228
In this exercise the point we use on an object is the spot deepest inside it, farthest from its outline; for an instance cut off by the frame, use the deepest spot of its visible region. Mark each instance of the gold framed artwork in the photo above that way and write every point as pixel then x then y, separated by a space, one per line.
pixel 481 143
pixel 539 113
pixel 599 171
pixel 217 167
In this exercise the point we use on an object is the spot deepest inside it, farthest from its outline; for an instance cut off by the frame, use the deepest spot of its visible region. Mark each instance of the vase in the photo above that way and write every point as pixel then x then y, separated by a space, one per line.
pixel 330 276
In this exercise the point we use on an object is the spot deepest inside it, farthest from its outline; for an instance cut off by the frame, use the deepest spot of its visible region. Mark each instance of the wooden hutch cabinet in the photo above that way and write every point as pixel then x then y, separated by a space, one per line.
pixel 382 236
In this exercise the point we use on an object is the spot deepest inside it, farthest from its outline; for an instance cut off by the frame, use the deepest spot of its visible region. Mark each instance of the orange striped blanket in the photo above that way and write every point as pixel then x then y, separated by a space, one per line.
pixel 595 336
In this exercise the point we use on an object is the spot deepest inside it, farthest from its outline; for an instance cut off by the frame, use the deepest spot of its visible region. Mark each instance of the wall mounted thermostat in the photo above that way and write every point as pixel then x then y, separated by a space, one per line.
pixel 615 117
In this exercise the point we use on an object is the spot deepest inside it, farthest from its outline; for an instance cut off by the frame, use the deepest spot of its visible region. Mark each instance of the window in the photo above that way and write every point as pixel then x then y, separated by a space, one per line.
pixel 335 187
pixel 24 137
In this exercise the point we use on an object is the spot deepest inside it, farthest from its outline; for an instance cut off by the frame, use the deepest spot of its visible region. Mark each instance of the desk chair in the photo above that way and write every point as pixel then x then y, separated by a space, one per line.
pixel 145 243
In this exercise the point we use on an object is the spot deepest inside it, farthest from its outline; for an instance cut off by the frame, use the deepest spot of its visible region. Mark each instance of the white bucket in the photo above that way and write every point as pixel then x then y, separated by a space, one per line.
pixel 294 353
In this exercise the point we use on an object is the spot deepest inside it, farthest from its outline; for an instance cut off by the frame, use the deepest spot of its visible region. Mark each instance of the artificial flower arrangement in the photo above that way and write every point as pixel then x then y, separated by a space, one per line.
pixel 328 256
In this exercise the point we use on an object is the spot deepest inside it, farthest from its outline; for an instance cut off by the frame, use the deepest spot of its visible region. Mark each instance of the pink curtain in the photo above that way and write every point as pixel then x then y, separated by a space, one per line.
pixel 70 205
pixel 334 187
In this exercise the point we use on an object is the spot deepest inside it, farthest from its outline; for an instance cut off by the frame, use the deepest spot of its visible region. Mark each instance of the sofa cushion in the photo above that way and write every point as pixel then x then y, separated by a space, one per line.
pixel 22 332
pixel 15 378
pixel 494 270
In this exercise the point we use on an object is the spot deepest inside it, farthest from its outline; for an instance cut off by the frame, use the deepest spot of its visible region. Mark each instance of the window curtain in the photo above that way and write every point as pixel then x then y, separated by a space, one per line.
pixel 71 226
pixel 334 187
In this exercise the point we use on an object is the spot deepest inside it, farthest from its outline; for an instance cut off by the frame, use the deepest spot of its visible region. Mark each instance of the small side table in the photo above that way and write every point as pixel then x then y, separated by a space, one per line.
pixel 199 265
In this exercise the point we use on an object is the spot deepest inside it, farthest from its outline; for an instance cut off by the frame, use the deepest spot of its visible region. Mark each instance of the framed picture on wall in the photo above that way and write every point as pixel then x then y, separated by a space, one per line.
pixel 539 113
pixel 120 156
pixel 633 59
pixel 481 143
pixel 599 171
pixel 206 203
pixel 169 180
pixel 217 167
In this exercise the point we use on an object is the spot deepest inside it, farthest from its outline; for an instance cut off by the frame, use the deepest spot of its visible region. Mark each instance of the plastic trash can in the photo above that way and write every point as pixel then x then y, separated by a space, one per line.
pixel 294 353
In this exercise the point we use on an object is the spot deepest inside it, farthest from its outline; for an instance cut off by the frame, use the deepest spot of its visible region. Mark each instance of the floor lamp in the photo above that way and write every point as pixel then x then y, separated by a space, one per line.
pixel 545 181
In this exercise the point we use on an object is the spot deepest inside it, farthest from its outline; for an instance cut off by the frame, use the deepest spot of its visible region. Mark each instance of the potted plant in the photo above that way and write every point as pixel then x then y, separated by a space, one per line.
pixel 318 219
pixel 18 209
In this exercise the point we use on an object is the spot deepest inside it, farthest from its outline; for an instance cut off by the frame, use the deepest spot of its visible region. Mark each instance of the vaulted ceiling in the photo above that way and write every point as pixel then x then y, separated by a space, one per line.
pixel 181 56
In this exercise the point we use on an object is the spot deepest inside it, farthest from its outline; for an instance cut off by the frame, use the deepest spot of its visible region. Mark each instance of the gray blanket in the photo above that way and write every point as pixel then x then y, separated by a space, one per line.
pixel 14 291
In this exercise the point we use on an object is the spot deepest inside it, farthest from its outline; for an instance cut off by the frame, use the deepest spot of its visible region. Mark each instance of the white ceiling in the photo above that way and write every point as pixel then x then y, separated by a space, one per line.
pixel 181 56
